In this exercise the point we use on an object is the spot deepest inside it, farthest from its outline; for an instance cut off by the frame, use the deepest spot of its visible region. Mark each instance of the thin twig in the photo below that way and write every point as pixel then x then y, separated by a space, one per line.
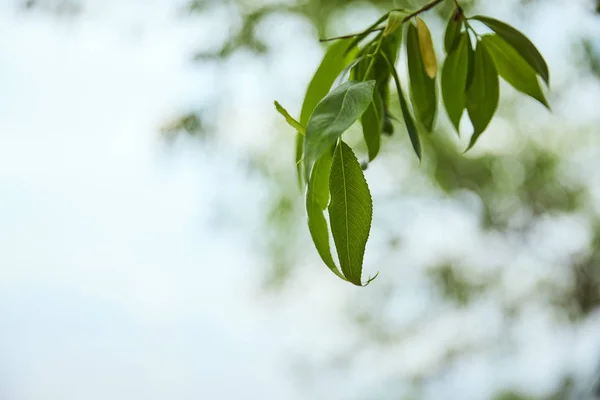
pixel 426 7
pixel 351 35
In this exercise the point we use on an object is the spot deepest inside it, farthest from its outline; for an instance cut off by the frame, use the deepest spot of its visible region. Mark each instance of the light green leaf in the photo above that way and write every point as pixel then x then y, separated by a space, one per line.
pixel 317 199
pixel 513 68
pixel 427 50
pixel 337 56
pixel 350 212
pixel 454 80
pixel 422 87
pixel 521 44
pixel 288 118
pixel 413 133
pixel 333 116
pixel 372 124
pixel 482 96
pixel 395 20
pixel 452 35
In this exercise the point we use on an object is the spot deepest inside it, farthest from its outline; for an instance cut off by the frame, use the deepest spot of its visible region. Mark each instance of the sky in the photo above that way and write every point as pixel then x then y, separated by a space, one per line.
pixel 118 281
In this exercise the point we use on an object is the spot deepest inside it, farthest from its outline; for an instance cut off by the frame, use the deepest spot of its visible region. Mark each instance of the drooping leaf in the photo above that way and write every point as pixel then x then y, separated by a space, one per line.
pixel 411 128
pixel 471 63
pixel 427 50
pixel 395 20
pixel 513 68
pixel 520 43
pixel 454 80
pixel 372 125
pixel 317 199
pixel 452 35
pixel 482 96
pixel 337 56
pixel 350 212
pixel 289 119
pixel 422 87
pixel 333 116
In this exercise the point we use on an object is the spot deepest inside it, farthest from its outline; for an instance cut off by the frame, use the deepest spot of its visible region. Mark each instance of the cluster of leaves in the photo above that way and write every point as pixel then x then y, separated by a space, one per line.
pixel 352 84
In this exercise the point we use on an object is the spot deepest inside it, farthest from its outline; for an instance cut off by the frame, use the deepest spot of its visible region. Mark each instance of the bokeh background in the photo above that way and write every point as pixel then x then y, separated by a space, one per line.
pixel 153 242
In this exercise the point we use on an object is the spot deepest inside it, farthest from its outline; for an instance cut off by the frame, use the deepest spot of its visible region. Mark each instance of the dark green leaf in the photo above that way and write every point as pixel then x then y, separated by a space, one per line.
pixel 413 133
pixel 482 96
pixel 521 44
pixel 350 212
pixel 372 124
pixel 338 55
pixel 333 116
pixel 453 29
pixel 288 118
pixel 513 68
pixel 317 199
pixel 422 87
pixel 454 80
pixel 471 63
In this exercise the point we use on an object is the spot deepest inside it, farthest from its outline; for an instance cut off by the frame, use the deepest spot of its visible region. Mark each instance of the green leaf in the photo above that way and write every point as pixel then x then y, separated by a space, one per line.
pixel 454 80
pixel 333 116
pixel 395 20
pixel 521 44
pixel 482 96
pixel 452 35
pixel 350 212
pixel 427 50
pixel 513 68
pixel 337 56
pixel 413 133
pixel 288 118
pixel 422 87
pixel 317 199
pixel 372 124
pixel 471 63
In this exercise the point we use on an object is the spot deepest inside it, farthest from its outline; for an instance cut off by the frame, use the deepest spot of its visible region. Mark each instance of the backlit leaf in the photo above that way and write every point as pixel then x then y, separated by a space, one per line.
pixel 337 56
pixel 395 20
pixel 288 118
pixel 422 87
pixel 454 80
pixel 350 212
pixel 482 96
pixel 333 116
pixel 521 44
pixel 317 199
pixel 427 50
pixel 513 68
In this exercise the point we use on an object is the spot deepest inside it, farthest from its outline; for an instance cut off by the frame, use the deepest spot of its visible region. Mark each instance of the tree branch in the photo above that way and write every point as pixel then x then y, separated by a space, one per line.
pixel 426 7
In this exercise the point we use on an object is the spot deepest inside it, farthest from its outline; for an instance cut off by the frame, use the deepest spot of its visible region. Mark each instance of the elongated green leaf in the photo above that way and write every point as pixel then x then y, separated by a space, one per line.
pixel 338 55
pixel 395 20
pixel 482 96
pixel 471 63
pixel 452 35
pixel 426 47
pixel 454 80
pixel 422 87
pixel 350 212
pixel 317 199
pixel 413 133
pixel 372 124
pixel 289 119
pixel 333 116
pixel 513 68
pixel 520 43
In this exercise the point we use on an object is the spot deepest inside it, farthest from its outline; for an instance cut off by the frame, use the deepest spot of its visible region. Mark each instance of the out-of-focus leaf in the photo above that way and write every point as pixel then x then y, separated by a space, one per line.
pixel 337 56
pixel 427 50
pixel 395 20
pixel 513 68
pixel 454 80
pixel 413 133
pixel 452 35
pixel 422 87
pixel 521 44
pixel 317 199
pixel 350 212
pixel 333 116
pixel 289 119
pixel 372 124
pixel 482 96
